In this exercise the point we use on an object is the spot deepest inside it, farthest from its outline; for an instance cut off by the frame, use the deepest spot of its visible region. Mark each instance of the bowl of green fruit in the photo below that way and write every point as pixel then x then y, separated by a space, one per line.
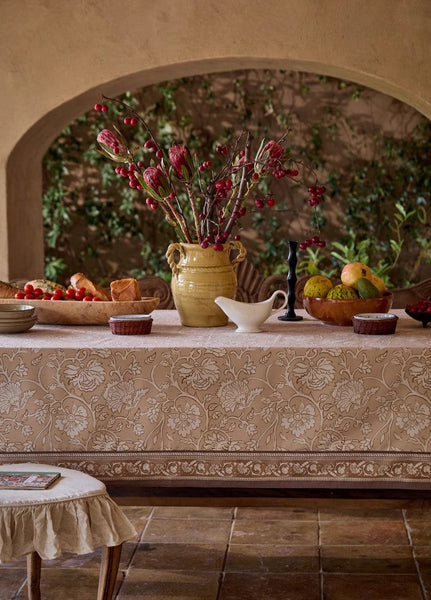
pixel 357 293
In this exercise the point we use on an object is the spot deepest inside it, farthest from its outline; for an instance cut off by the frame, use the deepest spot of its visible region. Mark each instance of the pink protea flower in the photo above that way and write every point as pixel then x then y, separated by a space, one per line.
pixel 109 139
pixel 157 182
pixel 273 149
pixel 181 161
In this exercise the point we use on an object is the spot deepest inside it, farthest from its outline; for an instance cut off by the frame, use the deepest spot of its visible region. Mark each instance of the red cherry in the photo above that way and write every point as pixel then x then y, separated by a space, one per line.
pixel 28 288
pixel 104 108
pixel 98 107
pixel 20 295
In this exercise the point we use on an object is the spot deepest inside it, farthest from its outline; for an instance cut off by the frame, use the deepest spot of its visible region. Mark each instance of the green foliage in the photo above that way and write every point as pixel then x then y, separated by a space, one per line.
pixel 377 205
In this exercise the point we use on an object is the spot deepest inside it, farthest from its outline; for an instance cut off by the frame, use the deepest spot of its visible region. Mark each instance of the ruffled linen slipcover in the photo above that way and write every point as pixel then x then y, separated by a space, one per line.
pixel 75 515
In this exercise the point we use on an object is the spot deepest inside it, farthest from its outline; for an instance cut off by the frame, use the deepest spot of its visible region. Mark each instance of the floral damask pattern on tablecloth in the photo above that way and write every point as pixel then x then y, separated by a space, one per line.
pixel 215 399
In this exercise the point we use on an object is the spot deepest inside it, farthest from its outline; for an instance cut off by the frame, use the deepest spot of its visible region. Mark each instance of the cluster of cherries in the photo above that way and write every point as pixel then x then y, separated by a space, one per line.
pixel 316 192
pixel 422 306
pixel 32 293
pixel 315 240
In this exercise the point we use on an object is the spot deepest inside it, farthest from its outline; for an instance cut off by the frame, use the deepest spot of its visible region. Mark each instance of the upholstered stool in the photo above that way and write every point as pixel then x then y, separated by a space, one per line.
pixel 74 515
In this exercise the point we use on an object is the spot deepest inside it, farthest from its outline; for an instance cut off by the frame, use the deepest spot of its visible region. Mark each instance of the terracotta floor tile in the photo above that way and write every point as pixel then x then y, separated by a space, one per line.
pixel 370 532
pixel 11 580
pixel 177 557
pixel 203 531
pixel 420 532
pixel 277 586
pixel 368 559
pixel 353 514
pixel 423 560
pixel 142 584
pixel 371 587
pixel 273 559
pixel 277 533
pixel 423 512
pixel 192 512
pixel 70 584
pixel 272 514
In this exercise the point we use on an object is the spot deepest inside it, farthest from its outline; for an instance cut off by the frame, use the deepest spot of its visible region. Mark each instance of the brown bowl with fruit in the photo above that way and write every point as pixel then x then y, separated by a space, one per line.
pixel 341 312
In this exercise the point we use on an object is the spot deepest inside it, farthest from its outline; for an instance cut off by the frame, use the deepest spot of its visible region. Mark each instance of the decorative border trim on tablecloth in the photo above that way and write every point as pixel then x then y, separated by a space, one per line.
pixel 270 469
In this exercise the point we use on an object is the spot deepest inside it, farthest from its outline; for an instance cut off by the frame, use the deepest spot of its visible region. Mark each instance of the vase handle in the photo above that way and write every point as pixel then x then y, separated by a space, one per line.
pixel 241 252
pixel 172 248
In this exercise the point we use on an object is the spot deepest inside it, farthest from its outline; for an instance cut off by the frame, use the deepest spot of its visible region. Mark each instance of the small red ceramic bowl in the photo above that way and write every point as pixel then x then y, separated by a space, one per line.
pixel 341 312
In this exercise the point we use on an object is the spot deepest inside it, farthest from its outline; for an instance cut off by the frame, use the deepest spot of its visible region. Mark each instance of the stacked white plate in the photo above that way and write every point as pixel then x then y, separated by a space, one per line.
pixel 16 318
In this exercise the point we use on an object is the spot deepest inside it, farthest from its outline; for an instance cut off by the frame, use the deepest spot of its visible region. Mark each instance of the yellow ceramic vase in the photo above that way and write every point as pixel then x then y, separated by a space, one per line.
pixel 199 275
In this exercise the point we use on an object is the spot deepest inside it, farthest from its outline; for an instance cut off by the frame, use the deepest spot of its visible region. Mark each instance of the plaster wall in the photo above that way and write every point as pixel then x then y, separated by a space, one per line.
pixel 58 57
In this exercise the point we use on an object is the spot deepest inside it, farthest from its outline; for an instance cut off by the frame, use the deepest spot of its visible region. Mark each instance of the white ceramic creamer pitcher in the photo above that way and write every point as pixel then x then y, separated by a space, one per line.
pixel 249 316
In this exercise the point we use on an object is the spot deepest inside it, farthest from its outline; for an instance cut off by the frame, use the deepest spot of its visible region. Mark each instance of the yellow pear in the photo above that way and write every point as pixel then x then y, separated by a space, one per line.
pixel 354 271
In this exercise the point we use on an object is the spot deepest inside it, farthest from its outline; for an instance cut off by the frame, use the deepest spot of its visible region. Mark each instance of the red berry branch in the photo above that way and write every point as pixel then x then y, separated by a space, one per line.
pixel 216 200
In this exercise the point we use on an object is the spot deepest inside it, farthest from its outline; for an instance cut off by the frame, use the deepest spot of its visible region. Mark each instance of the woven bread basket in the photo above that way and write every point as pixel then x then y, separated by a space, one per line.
pixel 375 323
pixel 131 324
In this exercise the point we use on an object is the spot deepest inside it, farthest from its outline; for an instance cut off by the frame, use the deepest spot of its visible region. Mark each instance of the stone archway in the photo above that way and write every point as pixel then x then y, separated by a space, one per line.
pixel 80 50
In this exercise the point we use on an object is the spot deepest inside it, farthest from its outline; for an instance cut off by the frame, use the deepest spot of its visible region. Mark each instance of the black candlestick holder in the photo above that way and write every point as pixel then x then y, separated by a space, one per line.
pixel 290 314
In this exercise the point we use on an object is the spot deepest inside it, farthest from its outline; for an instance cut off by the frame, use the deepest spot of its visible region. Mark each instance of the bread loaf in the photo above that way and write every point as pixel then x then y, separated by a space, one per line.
pixel 125 290
pixel 79 280
pixel 7 290
pixel 46 286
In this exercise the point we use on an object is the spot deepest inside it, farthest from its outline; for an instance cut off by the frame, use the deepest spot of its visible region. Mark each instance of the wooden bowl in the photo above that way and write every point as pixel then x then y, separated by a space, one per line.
pixel 72 312
pixel 341 312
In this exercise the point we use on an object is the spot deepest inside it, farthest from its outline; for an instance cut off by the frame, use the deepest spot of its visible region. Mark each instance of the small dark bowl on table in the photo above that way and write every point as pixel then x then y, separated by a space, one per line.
pixel 341 312
pixel 375 323
pixel 130 324
pixel 424 318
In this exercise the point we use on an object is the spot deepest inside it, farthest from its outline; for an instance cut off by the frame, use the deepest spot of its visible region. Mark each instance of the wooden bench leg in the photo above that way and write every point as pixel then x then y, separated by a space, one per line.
pixel 34 563
pixel 108 571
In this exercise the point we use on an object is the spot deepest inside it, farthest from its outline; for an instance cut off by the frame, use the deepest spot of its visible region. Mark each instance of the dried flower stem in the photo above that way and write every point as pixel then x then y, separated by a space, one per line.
pixel 194 209
pixel 242 184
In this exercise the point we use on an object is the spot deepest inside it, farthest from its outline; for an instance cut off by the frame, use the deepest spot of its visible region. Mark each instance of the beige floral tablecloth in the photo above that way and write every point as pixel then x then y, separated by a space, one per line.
pixel 298 403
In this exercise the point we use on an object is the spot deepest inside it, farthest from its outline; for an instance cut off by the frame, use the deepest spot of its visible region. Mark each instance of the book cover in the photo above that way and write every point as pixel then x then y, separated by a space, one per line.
pixel 27 480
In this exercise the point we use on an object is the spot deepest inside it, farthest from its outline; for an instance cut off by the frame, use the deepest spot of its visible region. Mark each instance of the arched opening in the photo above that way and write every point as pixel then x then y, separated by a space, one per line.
pixel 383 47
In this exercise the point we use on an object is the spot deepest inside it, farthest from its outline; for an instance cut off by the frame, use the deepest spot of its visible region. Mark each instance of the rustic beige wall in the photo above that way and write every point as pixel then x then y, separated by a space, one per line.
pixel 58 56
